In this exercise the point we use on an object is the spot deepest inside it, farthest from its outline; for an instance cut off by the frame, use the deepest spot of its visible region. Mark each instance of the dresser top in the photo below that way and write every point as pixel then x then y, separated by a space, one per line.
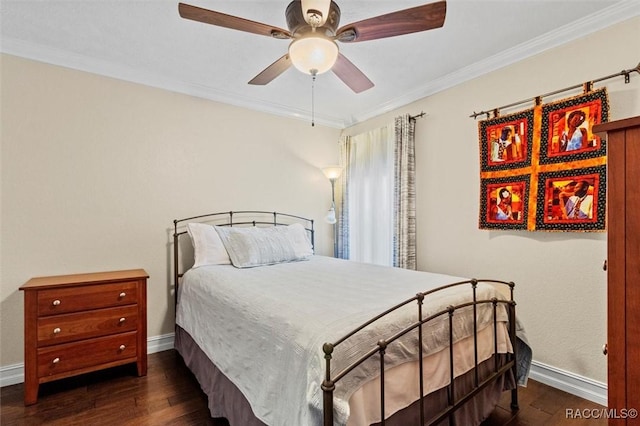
pixel 90 278
pixel 617 125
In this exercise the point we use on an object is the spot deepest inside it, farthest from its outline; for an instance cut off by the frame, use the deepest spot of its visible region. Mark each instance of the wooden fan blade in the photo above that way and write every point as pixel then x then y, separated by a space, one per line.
pixel 223 20
pixel 272 71
pixel 351 75
pixel 412 20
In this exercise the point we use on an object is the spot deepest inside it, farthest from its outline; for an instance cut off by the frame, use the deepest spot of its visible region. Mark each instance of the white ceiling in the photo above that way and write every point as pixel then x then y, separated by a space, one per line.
pixel 147 42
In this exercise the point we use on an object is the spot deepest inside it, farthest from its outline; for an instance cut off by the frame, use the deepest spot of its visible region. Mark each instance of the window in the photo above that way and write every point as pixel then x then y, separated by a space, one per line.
pixel 370 196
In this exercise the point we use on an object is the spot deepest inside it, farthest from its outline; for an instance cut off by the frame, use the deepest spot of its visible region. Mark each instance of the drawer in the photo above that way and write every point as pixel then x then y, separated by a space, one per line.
pixel 67 357
pixel 81 298
pixel 56 329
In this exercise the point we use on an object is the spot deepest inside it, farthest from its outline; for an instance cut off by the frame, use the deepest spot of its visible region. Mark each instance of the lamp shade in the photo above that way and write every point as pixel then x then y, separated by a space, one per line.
pixel 332 172
pixel 313 54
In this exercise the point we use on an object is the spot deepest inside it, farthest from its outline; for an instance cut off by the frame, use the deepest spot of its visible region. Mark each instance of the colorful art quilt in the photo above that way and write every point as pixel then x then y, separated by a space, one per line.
pixel 543 168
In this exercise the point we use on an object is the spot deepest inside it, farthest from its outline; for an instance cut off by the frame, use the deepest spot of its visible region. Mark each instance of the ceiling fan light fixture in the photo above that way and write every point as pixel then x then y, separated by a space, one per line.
pixel 313 54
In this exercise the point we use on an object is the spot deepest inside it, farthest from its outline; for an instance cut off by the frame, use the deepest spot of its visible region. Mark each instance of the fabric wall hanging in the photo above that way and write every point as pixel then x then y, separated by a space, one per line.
pixel 543 168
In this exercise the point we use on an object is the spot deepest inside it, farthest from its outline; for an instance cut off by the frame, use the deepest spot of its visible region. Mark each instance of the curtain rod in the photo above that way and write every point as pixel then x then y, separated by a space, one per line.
pixel 415 117
pixel 537 99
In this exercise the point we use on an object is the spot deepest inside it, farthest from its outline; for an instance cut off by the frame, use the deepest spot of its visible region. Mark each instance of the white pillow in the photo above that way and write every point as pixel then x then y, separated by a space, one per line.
pixel 256 246
pixel 207 246
pixel 300 239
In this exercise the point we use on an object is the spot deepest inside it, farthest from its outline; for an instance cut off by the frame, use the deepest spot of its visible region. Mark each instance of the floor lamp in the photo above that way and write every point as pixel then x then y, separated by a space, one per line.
pixel 333 173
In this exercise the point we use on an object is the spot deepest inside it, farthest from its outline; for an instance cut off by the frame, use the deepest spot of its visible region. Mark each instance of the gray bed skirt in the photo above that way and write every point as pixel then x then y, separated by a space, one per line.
pixel 226 400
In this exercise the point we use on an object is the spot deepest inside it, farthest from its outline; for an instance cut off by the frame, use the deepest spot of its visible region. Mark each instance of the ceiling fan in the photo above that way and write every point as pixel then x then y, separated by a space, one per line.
pixel 313 28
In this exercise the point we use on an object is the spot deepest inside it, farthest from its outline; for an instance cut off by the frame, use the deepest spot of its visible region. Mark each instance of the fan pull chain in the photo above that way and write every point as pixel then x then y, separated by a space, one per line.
pixel 313 102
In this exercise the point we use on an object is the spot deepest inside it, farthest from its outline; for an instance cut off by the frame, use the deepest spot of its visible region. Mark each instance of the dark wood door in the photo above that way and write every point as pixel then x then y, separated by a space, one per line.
pixel 623 274
pixel 632 271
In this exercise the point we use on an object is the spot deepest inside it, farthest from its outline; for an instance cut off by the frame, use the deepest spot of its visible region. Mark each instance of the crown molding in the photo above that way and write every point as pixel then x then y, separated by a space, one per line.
pixel 53 56
pixel 610 16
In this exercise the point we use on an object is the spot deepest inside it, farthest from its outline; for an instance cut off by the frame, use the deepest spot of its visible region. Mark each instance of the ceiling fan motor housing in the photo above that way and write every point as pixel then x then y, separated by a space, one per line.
pixel 298 25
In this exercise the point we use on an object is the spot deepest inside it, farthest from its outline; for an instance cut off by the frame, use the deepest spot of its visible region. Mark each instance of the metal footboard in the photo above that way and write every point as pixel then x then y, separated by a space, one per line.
pixel 329 383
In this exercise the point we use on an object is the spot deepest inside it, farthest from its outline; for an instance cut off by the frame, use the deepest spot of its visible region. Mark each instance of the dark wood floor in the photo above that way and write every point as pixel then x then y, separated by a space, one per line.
pixel 169 395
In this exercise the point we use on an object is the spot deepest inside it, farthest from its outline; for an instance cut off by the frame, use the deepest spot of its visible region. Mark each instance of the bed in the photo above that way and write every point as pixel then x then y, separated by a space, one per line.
pixel 278 335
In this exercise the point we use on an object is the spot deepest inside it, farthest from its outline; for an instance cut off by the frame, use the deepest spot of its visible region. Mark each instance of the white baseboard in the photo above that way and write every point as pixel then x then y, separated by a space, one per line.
pixel 14 374
pixel 564 380
pixel 11 374
pixel 583 387
pixel 160 343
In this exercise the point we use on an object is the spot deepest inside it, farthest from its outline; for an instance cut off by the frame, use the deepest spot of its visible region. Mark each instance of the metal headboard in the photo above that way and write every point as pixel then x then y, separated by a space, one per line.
pixel 232 218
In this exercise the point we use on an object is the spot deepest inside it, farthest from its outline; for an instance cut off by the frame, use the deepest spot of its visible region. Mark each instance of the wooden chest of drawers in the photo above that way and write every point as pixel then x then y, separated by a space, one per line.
pixel 74 324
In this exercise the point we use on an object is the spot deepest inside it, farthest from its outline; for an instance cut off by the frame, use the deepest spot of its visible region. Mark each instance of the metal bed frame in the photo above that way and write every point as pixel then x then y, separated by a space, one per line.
pixel 234 218
pixel 328 385
pixel 243 218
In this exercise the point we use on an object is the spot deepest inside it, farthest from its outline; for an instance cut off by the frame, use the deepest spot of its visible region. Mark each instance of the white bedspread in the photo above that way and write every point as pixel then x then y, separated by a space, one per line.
pixel 264 327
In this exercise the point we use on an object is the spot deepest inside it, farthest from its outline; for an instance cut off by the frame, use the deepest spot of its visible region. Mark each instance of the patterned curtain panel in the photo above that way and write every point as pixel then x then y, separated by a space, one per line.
pixel 342 197
pixel 404 241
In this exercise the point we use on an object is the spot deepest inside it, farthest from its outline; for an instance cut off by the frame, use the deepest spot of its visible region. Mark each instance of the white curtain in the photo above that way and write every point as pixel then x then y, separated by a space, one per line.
pixel 375 196
pixel 371 196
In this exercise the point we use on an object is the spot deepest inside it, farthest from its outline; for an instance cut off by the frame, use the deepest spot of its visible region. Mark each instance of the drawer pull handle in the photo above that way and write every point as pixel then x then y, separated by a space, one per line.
pixel 122 347
pixel 56 302
pixel 56 360
pixel 56 330
pixel 123 319
pixel 123 294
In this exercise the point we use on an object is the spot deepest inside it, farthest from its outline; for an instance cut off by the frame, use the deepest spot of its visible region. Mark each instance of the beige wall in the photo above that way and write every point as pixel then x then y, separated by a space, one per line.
pixel 94 170
pixel 561 287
